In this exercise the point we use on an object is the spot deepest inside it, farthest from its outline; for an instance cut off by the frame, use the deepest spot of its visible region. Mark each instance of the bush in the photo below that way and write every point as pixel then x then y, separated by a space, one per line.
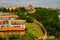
pixel 29 20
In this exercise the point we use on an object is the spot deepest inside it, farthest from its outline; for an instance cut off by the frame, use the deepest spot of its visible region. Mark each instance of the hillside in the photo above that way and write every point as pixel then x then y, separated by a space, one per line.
pixel 48 17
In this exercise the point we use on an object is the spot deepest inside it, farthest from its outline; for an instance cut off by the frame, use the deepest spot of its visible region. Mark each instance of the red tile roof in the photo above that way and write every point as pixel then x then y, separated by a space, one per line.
pixel 18 21
pixel 8 15
pixel 12 28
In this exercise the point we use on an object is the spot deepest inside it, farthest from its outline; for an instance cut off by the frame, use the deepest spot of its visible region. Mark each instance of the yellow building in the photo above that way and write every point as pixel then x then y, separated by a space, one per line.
pixel 12 7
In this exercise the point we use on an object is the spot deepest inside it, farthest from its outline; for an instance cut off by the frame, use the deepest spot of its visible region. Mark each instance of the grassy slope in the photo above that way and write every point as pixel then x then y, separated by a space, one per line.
pixel 34 28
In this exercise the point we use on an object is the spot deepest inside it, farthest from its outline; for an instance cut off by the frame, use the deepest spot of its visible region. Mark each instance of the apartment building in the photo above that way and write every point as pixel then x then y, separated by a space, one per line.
pixel 8 24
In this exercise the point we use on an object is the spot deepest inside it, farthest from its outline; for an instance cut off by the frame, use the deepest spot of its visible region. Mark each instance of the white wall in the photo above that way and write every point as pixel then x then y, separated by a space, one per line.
pixel 21 25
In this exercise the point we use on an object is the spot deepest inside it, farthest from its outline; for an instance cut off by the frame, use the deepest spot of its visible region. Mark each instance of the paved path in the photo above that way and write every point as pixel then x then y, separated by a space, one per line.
pixel 42 27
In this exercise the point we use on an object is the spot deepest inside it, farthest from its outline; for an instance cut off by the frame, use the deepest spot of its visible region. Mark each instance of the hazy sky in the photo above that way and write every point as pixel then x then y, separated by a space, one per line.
pixel 44 3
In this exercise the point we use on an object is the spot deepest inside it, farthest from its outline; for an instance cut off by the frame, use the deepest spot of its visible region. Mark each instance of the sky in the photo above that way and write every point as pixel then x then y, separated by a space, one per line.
pixel 37 3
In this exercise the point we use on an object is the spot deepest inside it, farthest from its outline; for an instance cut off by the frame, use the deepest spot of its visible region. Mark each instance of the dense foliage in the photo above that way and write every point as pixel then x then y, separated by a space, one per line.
pixel 49 18
pixel 22 13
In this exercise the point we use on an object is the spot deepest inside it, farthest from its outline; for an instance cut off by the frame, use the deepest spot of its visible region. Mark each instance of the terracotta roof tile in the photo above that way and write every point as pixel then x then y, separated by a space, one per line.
pixel 12 28
pixel 8 15
pixel 18 21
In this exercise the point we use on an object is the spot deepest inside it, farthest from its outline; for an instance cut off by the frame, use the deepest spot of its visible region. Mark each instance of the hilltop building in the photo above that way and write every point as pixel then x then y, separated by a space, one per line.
pixel 12 7
pixel 8 24
pixel 30 9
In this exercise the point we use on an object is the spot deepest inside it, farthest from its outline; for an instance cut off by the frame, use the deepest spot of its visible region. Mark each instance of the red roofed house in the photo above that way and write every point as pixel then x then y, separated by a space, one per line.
pixel 30 8
pixel 9 25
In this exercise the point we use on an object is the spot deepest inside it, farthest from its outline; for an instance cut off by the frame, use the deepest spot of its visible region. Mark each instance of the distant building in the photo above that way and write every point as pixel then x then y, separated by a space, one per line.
pixel 12 7
pixel 30 9
pixel 8 24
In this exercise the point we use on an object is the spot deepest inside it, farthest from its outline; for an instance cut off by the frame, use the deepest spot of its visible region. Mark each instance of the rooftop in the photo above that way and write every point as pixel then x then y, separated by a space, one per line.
pixel 7 15
pixel 12 29
pixel 18 21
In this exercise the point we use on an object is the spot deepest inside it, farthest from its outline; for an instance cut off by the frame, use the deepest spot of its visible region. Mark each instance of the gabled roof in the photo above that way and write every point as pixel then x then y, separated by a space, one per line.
pixel 8 15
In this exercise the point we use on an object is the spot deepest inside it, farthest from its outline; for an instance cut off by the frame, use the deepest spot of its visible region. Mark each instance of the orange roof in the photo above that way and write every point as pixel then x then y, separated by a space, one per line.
pixel 1 22
pixel 8 15
pixel 12 28
pixel 18 21
pixel 5 16
pixel 28 7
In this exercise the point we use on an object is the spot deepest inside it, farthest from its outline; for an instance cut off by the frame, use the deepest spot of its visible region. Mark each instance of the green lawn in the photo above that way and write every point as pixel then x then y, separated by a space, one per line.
pixel 34 29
